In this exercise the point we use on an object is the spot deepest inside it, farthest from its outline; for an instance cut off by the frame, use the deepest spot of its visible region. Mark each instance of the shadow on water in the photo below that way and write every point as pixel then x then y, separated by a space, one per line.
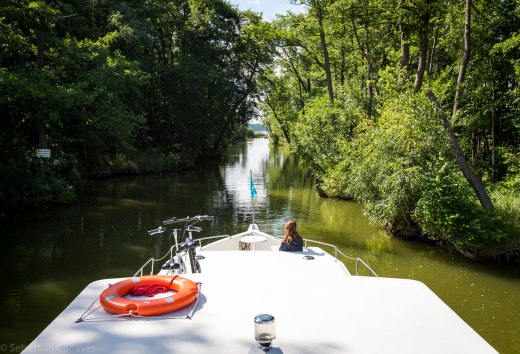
pixel 49 256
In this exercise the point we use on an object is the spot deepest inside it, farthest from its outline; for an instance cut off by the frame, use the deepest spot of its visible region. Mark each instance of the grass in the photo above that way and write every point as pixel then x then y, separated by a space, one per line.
pixel 507 204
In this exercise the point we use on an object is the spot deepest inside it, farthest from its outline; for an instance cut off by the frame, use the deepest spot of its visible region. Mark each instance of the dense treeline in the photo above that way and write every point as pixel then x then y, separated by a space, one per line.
pixel 410 107
pixel 119 86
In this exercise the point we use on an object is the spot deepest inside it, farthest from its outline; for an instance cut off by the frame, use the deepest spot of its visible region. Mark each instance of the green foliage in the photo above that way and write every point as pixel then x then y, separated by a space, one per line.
pixel 319 134
pixel 145 86
pixel 102 81
pixel 403 171
pixel 506 197
pixel 384 147
pixel 279 106
pixel 448 210
pixel 34 181
pixel 386 160
pixel 243 133
pixel 206 57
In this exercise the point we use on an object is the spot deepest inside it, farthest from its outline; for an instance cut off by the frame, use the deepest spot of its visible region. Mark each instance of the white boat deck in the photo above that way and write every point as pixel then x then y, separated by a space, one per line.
pixel 318 307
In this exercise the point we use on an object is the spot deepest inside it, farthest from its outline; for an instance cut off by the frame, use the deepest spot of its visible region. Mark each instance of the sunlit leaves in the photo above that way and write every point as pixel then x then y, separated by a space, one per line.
pixel 322 132
pixel 448 210
pixel 384 162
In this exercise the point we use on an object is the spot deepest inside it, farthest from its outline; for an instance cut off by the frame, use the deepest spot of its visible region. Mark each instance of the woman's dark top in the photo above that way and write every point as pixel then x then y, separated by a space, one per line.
pixel 296 245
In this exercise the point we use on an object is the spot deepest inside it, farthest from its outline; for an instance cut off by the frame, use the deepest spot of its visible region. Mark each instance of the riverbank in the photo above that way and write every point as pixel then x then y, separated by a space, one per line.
pixel 501 227
pixel 55 253
pixel 56 180
pixel 506 216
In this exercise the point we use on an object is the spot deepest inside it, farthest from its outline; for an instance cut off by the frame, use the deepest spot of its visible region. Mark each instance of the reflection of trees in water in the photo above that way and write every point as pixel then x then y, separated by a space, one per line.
pixel 285 170
pixel 234 154
pixel 104 235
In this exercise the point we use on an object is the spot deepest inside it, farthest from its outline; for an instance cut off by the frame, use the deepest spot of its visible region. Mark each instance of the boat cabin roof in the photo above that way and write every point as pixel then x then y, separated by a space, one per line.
pixel 318 308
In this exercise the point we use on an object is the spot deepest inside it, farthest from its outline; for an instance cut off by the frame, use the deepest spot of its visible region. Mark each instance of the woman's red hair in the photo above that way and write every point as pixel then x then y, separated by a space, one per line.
pixel 290 231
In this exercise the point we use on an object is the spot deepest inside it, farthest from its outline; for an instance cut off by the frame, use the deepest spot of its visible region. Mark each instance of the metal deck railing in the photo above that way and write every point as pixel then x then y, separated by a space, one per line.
pixel 171 252
pixel 357 260
pixel 199 240
pixel 152 261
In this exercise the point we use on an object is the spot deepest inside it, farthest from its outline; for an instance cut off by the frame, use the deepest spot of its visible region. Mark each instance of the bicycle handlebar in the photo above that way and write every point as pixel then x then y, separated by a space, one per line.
pixel 159 230
pixel 188 219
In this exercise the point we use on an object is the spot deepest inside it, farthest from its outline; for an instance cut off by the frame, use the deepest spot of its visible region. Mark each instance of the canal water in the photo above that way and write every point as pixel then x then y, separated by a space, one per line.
pixel 48 257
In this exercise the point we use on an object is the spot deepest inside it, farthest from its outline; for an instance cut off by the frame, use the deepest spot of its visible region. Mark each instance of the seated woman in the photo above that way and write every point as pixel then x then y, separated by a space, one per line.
pixel 292 241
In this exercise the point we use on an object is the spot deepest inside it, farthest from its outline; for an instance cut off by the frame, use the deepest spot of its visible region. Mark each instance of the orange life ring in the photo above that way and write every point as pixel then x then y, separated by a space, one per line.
pixel 113 301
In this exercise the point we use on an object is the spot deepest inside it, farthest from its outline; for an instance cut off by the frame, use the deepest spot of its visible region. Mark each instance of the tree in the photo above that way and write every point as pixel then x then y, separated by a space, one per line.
pixel 278 101
pixel 465 59
pixel 472 179
pixel 424 22
pixel 318 8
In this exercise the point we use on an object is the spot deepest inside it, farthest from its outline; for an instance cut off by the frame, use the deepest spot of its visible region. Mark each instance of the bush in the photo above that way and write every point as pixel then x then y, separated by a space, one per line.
pixel 320 134
pixel 148 161
pixel 34 181
pixel 506 197
pixel 387 159
pixel 243 132
pixel 403 170
pixel 449 210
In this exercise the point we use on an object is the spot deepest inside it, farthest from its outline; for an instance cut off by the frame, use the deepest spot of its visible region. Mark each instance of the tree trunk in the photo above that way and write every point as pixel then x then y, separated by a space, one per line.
pixel 474 147
pixel 40 43
pixel 473 179
pixel 493 136
pixel 370 71
pixel 465 60
pixel 320 190
pixel 404 59
pixel 41 131
pixel 344 50
pixel 365 54
pixel 423 35
pixel 343 66
pixel 227 122
pixel 283 126
pixel 422 61
pixel 432 52
pixel 297 73
pixel 326 66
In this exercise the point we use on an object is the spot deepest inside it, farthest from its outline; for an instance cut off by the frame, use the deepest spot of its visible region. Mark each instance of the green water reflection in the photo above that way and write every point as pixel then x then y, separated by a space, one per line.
pixel 48 257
